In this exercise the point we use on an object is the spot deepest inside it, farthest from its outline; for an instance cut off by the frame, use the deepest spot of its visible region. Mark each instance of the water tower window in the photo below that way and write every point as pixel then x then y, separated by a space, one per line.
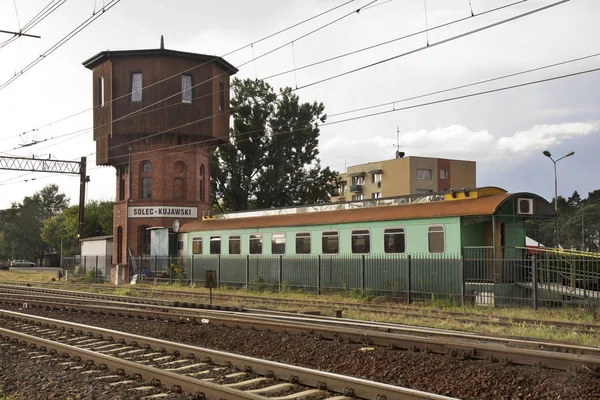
pixel 221 96
pixel 186 89
pixel 101 91
pixel 136 87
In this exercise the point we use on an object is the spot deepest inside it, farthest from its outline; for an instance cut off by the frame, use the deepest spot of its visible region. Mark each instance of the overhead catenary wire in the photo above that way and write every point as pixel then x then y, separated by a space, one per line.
pixel 430 45
pixel 150 109
pixel 374 114
pixel 59 44
pixel 198 65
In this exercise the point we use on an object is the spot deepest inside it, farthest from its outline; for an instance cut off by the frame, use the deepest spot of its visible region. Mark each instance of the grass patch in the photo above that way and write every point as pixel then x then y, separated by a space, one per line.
pixel 27 276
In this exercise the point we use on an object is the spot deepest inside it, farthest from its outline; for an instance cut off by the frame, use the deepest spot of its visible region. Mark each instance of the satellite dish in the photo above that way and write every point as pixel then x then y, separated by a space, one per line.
pixel 176 226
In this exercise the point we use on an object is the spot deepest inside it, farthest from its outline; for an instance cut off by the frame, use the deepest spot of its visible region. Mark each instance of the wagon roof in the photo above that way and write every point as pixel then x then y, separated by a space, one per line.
pixel 487 205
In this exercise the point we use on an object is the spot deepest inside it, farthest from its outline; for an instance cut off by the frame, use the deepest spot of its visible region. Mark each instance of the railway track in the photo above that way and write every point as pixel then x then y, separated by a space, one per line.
pixel 327 307
pixel 202 373
pixel 458 344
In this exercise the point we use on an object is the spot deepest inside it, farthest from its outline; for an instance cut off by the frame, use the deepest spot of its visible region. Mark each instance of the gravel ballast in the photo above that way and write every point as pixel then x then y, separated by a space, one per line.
pixel 465 379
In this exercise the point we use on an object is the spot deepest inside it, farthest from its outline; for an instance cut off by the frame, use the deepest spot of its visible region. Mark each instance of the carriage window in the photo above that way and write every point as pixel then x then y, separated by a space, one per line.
pixel 278 243
pixel 361 241
pixel 394 240
pixel 235 245
pixel 197 245
pixel 303 243
pixel 215 245
pixel 256 243
pixel 331 242
pixel 436 238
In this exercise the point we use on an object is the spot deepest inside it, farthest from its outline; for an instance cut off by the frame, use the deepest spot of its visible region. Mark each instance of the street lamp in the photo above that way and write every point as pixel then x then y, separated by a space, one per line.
pixel 547 154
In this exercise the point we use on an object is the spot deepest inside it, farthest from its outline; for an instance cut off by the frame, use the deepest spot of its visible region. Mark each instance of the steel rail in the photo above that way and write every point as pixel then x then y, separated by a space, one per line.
pixel 360 388
pixel 166 378
pixel 509 350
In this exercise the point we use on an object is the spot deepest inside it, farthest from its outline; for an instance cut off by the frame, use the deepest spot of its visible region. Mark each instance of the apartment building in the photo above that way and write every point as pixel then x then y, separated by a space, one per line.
pixel 405 175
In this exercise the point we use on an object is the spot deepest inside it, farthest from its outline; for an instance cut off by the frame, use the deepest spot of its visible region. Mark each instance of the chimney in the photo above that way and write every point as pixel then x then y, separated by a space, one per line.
pixel 162 42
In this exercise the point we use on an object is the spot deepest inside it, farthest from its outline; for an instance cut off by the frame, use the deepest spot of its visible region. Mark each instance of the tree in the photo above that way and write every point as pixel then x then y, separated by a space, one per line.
pixel 271 159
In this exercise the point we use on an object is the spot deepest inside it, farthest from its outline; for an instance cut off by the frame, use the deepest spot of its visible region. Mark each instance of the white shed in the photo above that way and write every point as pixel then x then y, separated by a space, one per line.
pixel 97 249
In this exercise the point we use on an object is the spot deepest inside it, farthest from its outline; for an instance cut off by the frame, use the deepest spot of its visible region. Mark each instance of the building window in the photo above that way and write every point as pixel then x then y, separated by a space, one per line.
pixel 256 243
pixel 197 245
pixel 436 238
pixel 424 191
pixel 179 181
pixel 202 182
pixel 376 178
pixel 235 245
pixel 146 167
pixel 136 86
pixel 358 180
pixel 186 89
pixel 342 188
pixel 424 174
pixel 179 245
pixel 330 242
pixel 221 96
pixel 215 245
pixel 101 91
pixel 443 174
pixel 303 243
pixel 358 197
pixel 146 188
pixel 361 241
pixel 278 243
pixel 376 195
pixel 394 240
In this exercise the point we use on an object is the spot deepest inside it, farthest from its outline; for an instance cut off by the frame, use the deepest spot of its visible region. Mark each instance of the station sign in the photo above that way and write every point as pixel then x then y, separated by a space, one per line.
pixel 162 212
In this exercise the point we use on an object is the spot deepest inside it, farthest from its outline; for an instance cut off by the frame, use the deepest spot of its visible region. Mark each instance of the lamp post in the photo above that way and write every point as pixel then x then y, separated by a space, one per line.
pixel 547 154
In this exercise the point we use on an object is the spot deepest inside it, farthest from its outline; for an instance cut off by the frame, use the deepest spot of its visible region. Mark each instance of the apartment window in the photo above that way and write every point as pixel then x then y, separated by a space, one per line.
pixel 437 239
pixel 235 245
pixel 278 243
pixel 443 174
pixel 358 180
pixel 376 195
pixel 424 174
pixel 376 178
pixel 179 245
pixel 136 86
pixel 101 91
pixel 342 188
pixel 256 243
pixel 330 242
pixel 215 245
pixel 303 243
pixel 394 240
pixel 424 191
pixel 221 96
pixel 186 89
pixel 361 241
pixel 358 197
pixel 197 245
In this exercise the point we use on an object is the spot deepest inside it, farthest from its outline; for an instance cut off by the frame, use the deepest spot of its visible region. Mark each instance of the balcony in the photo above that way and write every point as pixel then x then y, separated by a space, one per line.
pixel 356 188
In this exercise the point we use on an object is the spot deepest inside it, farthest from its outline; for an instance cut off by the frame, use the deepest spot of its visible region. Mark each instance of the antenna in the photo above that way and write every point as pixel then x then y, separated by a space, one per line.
pixel 399 154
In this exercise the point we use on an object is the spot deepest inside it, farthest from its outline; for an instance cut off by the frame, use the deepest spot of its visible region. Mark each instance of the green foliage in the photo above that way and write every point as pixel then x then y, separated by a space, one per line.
pixel 177 271
pixel 579 223
pixel 271 159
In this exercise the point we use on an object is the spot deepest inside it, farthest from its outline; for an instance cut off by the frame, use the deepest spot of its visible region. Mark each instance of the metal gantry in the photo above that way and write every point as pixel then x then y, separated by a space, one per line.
pixel 56 167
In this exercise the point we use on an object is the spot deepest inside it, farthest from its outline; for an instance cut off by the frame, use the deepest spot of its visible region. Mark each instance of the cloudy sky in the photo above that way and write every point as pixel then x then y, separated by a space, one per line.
pixel 504 132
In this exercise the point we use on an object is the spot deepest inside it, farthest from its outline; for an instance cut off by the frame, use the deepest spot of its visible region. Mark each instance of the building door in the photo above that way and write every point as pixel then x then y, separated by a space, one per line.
pixel 143 241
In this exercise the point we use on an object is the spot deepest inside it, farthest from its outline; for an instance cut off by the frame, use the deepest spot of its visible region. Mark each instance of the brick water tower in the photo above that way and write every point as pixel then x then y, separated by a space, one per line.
pixel 157 115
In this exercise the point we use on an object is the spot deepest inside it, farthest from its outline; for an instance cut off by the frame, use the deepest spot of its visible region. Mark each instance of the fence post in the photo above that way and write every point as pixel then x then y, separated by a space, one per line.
pixel 462 280
pixel 362 275
pixel 192 271
pixel 96 271
pixel 280 272
pixel 534 281
pixel 219 271
pixel 170 271
pixel 155 267
pixel 318 274
pixel 247 272
pixel 408 278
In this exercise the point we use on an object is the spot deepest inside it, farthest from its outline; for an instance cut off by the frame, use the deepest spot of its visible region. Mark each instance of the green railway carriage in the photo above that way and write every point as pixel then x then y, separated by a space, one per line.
pixel 381 245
